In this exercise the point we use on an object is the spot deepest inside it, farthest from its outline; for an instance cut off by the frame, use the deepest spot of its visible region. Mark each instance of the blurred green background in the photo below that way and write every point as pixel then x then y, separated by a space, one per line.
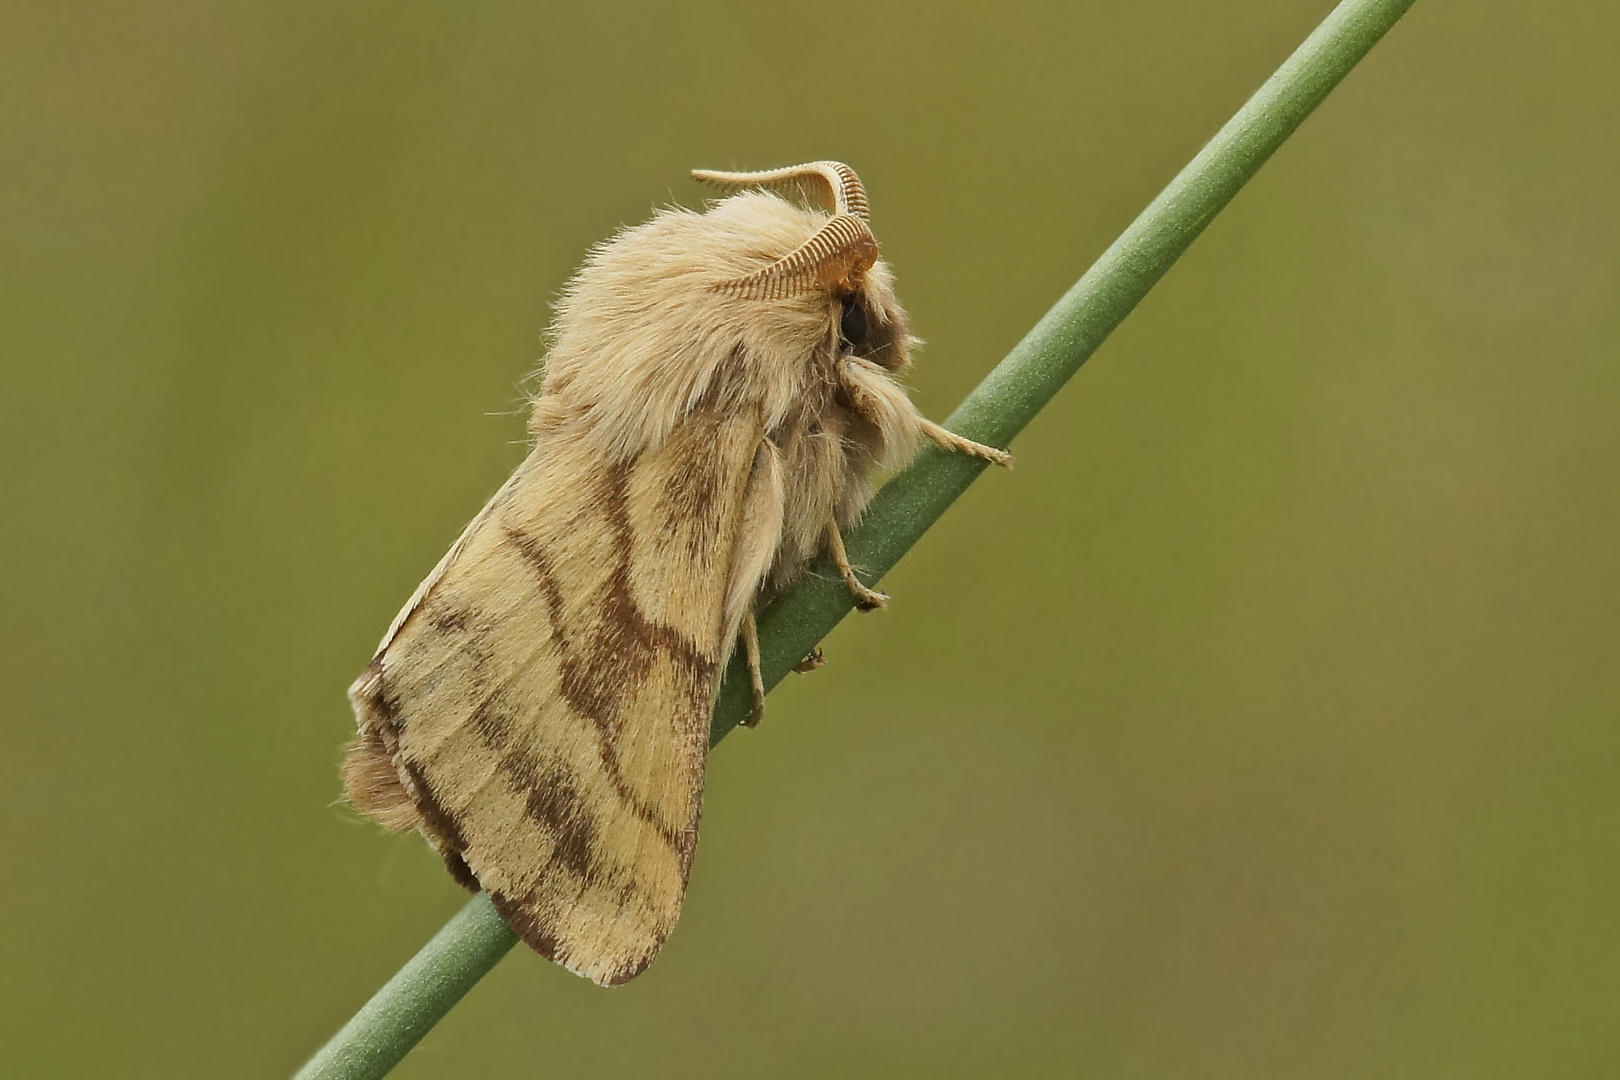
pixel 1261 723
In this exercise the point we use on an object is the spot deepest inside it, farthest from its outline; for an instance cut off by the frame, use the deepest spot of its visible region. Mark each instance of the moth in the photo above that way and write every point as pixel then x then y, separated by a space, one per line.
pixel 719 393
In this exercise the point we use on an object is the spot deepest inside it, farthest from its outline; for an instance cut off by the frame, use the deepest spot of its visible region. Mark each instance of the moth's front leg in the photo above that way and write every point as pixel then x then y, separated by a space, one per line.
pixel 883 402
pixel 865 598
pixel 950 440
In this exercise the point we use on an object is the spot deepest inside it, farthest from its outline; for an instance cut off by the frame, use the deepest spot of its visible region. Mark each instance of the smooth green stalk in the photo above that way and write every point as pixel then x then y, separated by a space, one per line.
pixel 409 1004
pixel 1019 387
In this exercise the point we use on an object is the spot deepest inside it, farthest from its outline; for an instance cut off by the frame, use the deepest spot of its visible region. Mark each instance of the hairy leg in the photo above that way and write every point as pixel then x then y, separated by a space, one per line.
pixel 950 440
pixel 750 634
pixel 866 599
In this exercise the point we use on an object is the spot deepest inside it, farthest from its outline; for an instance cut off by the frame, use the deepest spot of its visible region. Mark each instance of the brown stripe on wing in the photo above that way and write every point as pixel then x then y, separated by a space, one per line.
pixel 556 804
pixel 380 739
pixel 440 822
pixel 618 652
pixel 617 658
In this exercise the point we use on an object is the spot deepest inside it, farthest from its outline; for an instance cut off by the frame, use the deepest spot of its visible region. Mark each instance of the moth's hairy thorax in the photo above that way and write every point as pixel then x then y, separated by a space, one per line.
pixel 644 341
pixel 828 456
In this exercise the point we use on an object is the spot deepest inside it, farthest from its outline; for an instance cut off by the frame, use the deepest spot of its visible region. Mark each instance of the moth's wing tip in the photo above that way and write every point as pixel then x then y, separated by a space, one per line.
pixel 529 931
pixel 630 971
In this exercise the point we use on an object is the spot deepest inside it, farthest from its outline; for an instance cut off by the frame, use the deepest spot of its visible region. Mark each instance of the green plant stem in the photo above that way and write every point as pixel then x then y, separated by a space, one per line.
pixel 409 1004
pixel 997 410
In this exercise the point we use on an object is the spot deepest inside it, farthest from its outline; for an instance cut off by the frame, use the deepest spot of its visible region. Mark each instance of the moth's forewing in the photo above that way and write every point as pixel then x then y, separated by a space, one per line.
pixel 546 702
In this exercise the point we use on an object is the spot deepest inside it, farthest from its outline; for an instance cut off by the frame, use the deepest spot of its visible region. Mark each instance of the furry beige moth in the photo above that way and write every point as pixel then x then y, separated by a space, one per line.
pixel 719 393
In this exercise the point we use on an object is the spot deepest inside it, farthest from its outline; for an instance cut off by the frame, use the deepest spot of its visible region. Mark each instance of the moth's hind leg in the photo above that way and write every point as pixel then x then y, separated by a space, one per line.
pixel 750 636
pixel 950 440
pixel 867 599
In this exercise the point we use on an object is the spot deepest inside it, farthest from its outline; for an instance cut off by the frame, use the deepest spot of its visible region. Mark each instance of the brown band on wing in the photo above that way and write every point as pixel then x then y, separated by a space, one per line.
pixel 626 645
pixel 682 840
pixel 522 914
pixel 549 796
pixel 441 824
pixel 620 605
pixel 494 727
pixel 382 709
pixel 556 804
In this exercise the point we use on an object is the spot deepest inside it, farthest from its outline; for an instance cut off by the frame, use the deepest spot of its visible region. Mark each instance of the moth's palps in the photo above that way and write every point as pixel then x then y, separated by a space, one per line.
pixel 718 394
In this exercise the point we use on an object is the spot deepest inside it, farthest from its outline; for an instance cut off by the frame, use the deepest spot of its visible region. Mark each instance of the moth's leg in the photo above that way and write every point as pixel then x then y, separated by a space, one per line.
pixel 750 635
pixel 950 440
pixel 876 396
pixel 816 659
pixel 866 599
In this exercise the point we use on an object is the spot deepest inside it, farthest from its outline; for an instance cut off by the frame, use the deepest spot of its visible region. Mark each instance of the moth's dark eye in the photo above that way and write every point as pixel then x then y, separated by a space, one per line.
pixel 853 325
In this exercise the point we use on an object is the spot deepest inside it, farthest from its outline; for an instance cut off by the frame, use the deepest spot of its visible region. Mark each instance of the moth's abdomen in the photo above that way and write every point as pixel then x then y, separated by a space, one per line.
pixel 374 786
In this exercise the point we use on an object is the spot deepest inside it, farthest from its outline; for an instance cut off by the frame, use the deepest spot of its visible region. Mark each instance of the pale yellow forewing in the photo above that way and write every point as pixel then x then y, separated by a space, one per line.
pixel 545 700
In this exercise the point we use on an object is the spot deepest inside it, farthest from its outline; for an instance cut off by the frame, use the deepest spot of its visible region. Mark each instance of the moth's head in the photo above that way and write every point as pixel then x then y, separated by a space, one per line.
pixel 749 299
pixel 820 266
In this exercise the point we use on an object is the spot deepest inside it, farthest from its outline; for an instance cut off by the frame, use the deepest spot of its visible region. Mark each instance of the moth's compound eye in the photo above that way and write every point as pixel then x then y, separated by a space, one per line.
pixel 853 324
